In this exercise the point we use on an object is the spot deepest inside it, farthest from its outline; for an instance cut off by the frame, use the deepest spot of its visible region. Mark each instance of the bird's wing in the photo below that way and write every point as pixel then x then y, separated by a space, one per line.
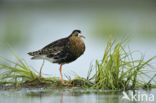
pixel 55 47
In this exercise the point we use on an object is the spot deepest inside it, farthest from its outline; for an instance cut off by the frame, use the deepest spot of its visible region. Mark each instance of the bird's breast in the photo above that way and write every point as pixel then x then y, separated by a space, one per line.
pixel 76 46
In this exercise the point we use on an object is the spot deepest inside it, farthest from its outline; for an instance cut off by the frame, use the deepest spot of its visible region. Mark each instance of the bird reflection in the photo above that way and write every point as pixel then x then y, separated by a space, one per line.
pixel 61 99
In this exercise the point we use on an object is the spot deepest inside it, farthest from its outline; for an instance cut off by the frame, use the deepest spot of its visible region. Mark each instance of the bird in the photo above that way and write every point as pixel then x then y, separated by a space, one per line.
pixel 62 51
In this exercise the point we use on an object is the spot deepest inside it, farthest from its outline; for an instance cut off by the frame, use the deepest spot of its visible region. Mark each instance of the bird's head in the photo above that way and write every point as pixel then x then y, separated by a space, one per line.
pixel 77 33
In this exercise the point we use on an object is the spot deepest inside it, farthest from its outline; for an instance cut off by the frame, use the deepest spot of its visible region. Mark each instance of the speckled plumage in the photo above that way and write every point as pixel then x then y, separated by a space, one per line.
pixel 62 51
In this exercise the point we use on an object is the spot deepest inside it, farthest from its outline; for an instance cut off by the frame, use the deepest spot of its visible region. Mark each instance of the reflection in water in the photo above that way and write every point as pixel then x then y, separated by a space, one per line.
pixel 67 96
pixel 61 100
pixel 108 97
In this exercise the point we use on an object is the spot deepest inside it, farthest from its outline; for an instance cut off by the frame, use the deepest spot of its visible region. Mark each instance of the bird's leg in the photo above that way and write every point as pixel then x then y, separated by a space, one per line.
pixel 40 73
pixel 62 77
pixel 61 74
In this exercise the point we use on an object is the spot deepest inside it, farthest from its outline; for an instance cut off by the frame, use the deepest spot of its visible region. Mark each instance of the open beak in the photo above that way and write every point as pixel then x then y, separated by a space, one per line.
pixel 80 35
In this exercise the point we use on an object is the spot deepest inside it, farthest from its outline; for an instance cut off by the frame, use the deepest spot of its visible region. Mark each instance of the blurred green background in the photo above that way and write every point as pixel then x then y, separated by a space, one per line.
pixel 28 25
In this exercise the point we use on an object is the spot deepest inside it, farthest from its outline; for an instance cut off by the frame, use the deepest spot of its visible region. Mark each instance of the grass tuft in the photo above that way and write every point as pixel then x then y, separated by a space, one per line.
pixel 118 69
pixel 15 72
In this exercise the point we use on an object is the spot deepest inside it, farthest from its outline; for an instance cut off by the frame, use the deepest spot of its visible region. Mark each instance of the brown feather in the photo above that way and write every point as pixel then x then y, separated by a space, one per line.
pixel 51 48
pixel 54 46
pixel 77 46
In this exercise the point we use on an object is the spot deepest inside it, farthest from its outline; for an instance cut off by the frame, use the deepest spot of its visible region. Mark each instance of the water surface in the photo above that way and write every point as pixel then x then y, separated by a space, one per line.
pixel 76 96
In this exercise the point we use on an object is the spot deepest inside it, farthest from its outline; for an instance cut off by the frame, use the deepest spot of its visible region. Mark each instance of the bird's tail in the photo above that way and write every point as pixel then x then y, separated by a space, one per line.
pixel 35 53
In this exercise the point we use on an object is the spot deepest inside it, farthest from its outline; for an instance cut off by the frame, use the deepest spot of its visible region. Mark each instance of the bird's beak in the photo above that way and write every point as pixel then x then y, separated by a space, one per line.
pixel 80 35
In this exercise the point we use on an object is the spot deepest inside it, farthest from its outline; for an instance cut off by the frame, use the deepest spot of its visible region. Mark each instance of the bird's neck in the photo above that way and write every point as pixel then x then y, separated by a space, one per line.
pixel 77 46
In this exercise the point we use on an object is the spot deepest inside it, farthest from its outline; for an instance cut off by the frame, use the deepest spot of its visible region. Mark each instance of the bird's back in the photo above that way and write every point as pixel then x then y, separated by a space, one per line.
pixel 51 50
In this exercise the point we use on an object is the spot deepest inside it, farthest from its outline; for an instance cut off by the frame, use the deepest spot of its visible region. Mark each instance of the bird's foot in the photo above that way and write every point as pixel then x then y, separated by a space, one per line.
pixel 66 84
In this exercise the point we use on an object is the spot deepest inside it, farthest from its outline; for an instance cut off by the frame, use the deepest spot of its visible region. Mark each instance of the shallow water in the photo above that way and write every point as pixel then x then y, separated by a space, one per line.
pixel 76 96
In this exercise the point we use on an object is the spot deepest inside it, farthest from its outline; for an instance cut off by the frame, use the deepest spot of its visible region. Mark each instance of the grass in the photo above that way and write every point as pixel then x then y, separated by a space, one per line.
pixel 15 72
pixel 117 70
